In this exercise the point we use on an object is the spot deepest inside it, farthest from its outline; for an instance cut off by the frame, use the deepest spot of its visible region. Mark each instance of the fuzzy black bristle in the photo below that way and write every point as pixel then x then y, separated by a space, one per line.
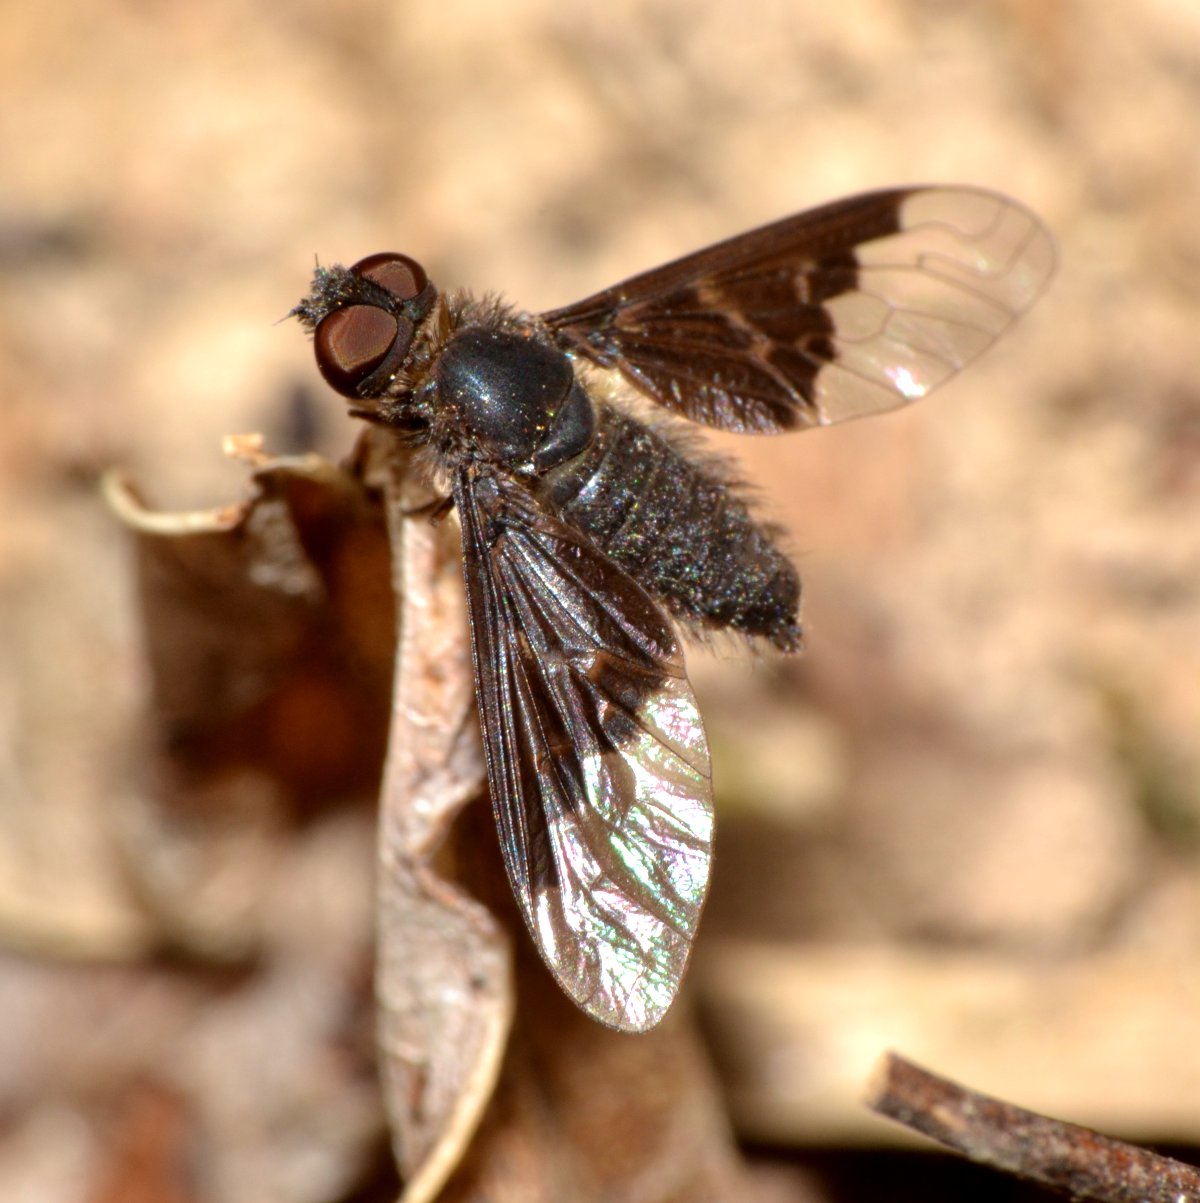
pixel 331 288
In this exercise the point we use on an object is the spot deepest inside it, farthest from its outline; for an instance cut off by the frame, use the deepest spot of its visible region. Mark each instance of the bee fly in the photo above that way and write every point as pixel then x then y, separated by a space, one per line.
pixel 588 532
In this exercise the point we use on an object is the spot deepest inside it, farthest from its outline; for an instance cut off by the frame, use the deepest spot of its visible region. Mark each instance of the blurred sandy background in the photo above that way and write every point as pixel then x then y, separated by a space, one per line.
pixel 968 822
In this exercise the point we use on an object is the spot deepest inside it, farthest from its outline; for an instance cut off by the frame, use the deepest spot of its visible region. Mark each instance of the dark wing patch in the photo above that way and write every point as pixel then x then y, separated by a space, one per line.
pixel 850 309
pixel 597 760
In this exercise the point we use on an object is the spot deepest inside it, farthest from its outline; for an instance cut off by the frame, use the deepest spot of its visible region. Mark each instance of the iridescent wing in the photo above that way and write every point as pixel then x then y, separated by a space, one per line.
pixel 857 307
pixel 597 761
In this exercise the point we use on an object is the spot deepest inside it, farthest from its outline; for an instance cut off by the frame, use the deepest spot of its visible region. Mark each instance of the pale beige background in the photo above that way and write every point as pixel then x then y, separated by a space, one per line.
pixel 992 745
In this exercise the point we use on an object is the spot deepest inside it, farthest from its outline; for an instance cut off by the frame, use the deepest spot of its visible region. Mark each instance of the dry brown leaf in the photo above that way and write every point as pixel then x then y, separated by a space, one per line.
pixel 270 662
pixel 443 977
pixel 241 602
pixel 567 1109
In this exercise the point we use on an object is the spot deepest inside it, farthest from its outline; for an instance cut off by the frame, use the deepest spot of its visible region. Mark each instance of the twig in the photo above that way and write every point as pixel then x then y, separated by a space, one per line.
pixel 1065 1157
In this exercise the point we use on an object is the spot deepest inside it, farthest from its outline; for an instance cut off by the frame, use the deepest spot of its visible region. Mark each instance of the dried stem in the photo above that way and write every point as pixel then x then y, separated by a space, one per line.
pixel 1065 1157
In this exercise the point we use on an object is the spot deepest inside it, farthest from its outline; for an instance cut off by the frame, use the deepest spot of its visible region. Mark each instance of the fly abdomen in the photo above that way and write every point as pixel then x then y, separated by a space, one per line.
pixel 679 528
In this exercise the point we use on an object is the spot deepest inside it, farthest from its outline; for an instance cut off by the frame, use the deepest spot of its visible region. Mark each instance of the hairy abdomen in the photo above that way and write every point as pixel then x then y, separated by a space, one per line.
pixel 678 528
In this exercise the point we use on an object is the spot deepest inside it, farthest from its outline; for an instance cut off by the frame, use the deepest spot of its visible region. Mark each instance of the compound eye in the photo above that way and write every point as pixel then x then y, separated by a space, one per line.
pixel 361 341
pixel 401 276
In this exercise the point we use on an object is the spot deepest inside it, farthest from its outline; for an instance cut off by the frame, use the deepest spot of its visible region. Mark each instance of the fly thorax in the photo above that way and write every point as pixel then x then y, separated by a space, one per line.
pixel 515 397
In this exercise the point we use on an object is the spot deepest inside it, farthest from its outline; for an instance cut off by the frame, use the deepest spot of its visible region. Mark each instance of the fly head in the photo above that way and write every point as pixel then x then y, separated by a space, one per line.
pixel 369 322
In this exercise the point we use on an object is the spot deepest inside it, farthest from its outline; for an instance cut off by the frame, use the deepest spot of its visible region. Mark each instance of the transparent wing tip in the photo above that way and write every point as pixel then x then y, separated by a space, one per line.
pixel 982 241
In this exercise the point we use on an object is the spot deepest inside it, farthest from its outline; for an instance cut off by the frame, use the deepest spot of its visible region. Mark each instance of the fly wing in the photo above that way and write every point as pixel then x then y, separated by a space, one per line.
pixel 850 309
pixel 597 760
